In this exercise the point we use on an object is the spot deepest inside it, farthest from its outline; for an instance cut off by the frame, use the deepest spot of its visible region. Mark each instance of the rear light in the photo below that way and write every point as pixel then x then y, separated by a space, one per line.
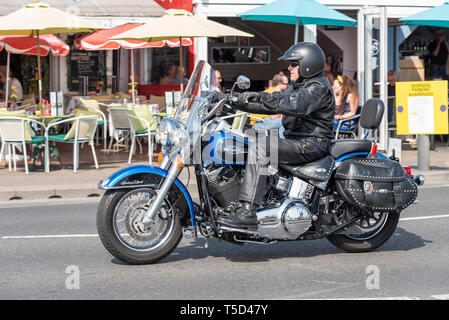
pixel 373 149
pixel 408 170
pixel 419 179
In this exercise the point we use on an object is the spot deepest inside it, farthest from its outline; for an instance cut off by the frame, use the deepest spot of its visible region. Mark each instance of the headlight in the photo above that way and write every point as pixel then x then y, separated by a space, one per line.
pixel 179 137
pixel 162 133
pixel 171 132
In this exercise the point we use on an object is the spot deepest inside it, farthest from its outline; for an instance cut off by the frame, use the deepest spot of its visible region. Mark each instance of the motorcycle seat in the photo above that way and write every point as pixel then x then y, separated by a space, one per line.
pixel 319 170
pixel 338 148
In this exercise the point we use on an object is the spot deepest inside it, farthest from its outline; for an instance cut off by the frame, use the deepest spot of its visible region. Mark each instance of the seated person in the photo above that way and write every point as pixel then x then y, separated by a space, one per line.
pixel 14 88
pixel 346 101
pixel 170 75
pixel 269 122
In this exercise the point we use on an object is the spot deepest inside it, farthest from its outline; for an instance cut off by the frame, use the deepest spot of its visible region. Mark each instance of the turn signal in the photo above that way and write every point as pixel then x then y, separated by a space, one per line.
pixel 179 162
pixel 159 158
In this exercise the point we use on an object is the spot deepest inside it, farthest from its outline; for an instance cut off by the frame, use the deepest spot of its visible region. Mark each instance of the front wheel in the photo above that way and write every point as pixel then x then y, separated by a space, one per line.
pixel 120 227
pixel 372 232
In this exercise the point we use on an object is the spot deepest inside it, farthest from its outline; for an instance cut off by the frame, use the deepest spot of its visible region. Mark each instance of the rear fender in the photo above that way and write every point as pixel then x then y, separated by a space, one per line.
pixel 148 176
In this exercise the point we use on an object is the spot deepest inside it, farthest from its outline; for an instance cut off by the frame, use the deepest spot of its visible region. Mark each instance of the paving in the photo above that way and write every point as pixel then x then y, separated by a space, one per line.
pixel 63 183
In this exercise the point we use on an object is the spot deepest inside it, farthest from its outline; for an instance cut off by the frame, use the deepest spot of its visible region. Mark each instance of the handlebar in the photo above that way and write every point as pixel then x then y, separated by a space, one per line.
pixel 214 110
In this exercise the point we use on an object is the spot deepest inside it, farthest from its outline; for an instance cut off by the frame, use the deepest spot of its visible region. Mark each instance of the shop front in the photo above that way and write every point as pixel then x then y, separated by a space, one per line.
pixel 97 72
pixel 379 44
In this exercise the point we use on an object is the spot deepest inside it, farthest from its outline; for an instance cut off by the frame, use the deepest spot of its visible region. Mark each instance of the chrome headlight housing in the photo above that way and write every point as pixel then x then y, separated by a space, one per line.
pixel 162 133
pixel 171 133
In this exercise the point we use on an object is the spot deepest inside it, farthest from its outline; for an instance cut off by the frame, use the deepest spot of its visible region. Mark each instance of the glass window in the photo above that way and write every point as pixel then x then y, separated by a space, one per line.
pixel 223 55
pixel 164 67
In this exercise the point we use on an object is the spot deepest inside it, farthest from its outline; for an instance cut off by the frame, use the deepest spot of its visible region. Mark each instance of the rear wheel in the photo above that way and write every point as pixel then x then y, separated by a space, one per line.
pixel 367 234
pixel 120 227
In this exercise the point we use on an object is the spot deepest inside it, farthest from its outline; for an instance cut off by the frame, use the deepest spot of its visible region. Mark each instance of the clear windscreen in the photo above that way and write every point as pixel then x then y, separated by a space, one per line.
pixel 201 85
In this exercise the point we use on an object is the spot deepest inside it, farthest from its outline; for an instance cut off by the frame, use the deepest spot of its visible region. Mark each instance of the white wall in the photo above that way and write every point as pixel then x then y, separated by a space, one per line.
pixel 346 40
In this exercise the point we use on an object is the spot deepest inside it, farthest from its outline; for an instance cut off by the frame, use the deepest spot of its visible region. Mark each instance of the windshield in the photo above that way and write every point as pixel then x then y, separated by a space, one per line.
pixel 201 85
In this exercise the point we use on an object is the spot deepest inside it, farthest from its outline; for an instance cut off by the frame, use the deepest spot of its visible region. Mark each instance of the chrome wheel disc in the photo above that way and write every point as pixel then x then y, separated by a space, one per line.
pixel 129 228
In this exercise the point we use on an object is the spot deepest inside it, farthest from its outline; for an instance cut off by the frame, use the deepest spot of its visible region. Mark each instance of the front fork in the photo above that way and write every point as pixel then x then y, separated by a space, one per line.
pixel 173 173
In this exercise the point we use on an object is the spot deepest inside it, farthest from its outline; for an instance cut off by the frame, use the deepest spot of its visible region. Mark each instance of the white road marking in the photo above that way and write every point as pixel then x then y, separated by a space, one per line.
pixel 425 217
pixel 51 236
pixel 379 298
pixel 96 235
pixel 45 202
pixel 441 297
pixel 435 186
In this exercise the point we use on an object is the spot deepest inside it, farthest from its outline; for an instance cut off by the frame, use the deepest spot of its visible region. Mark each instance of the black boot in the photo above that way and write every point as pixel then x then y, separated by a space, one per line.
pixel 245 217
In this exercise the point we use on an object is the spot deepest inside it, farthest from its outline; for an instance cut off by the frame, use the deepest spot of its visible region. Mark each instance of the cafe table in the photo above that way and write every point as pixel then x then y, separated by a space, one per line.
pixel 53 149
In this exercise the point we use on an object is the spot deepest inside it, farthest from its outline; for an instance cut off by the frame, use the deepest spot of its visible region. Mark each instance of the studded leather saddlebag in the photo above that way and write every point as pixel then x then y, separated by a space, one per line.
pixel 375 185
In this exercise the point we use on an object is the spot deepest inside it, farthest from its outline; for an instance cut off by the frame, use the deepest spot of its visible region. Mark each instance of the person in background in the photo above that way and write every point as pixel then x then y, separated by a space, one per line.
pixel 219 81
pixel 270 122
pixel 328 73
pixel 168 74
pixel 14 85
pixel 438 49
pixel 391 94
pixel 346 101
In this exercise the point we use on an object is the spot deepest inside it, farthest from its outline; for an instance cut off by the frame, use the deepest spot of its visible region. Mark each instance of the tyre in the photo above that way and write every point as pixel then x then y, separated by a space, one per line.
pixel 120 227
pixel 372 232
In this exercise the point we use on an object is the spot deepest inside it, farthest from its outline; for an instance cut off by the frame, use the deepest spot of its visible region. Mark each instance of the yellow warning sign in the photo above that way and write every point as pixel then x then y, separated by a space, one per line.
pixel 422 107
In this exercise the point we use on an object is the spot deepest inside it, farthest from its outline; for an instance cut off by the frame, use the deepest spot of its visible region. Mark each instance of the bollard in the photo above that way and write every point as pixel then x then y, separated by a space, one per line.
pixel 423 144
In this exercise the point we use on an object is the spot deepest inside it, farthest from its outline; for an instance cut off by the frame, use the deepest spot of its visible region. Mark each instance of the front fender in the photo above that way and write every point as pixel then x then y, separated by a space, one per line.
pixel 141 176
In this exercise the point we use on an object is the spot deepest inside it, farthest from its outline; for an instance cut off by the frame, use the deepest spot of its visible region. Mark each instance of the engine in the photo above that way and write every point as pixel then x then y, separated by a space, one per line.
pixel 287 222
pixel 223 183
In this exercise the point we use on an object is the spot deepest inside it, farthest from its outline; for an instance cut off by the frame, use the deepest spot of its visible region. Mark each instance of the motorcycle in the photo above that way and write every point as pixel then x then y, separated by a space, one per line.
pixel 353 196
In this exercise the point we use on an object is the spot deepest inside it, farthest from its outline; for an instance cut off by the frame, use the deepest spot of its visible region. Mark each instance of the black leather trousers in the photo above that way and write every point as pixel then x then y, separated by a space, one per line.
pixel 271 150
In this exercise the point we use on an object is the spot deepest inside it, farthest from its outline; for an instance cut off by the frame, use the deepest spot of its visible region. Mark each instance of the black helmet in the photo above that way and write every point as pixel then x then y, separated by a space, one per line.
pixel 310 57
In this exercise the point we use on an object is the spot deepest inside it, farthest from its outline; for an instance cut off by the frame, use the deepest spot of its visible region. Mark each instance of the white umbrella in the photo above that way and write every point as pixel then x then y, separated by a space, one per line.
pixel 179 24
pixel 38 18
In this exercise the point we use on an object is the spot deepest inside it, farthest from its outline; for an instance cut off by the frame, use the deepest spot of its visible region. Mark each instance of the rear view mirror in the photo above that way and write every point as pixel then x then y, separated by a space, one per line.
pixel 243 82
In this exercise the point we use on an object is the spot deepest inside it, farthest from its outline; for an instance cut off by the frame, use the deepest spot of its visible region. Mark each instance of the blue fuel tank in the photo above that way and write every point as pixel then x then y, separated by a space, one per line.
pixel 225 149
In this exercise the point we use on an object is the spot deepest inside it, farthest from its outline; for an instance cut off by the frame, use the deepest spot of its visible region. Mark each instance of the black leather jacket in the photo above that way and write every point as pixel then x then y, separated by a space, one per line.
pixel 308 108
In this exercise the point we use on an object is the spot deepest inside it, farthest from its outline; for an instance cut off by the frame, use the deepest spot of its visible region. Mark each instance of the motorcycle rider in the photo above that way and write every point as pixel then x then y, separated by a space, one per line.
pixel 308 108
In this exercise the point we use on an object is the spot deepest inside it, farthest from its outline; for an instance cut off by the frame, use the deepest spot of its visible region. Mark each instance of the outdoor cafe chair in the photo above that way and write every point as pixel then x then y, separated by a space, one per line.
pixel 342 132
pixel 84 128
pixel 136 134
pixel 16 130
pixel 119 122
pixel 94 105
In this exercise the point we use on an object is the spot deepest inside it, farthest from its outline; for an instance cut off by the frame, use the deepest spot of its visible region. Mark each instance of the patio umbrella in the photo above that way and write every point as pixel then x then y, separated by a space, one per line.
pixel 298 12
pixel 179 24
pixel 100 40
pixel 28 45
pixel 38 18
pixel 434 17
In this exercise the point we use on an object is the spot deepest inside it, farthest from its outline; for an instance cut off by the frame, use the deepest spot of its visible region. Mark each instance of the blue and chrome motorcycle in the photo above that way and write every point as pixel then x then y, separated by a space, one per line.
pixel 352 197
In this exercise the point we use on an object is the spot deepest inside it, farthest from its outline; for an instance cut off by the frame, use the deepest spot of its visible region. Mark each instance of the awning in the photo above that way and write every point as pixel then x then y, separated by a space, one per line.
pixel 94 8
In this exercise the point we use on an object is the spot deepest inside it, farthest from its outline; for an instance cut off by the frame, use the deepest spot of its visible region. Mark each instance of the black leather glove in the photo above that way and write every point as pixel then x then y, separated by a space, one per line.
pixel 247 97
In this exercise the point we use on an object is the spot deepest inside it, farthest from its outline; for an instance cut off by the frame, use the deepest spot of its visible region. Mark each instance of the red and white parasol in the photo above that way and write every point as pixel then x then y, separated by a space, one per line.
pixel 29 45
pixel 100 41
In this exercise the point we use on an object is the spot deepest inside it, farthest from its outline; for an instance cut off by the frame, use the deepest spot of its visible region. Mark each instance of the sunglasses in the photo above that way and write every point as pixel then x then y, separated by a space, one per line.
pixel 294 64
